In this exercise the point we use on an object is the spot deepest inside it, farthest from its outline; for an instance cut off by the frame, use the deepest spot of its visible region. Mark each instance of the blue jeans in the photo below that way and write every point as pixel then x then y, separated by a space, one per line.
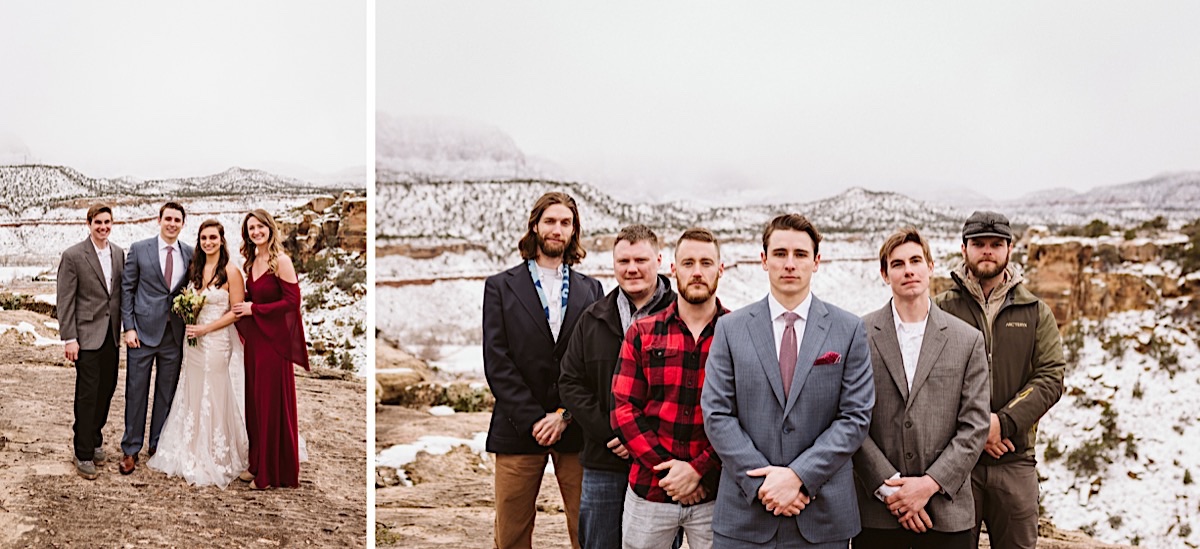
pixel 600 507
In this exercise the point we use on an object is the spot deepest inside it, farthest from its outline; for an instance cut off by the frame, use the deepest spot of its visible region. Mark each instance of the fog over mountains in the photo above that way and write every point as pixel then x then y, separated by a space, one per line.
pixel 417 150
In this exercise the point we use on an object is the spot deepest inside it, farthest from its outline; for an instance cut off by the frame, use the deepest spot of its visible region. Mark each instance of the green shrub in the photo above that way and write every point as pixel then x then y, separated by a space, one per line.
pixel 351 274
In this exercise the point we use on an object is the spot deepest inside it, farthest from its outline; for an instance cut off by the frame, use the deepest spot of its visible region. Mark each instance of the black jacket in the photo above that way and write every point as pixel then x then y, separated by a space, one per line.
pixel 520 357
pixel 587 371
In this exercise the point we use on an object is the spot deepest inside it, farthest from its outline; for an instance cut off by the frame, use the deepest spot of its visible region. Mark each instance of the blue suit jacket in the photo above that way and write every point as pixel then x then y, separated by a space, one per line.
pixel 814 430
pixel 145 298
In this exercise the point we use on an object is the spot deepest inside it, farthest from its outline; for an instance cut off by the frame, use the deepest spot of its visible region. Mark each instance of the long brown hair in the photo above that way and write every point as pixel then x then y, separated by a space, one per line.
pixel 196 270
pixel 274 246
pixel 574 253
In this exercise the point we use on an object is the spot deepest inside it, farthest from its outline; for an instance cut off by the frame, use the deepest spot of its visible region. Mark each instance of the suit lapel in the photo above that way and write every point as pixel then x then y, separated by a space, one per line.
pixel 888 346
pixel 158 266
pixel 816 329
pixel 575 306
pixel 186 255
pixel 89 253
pixel 762 335
pixel 521 285
pixel 931 348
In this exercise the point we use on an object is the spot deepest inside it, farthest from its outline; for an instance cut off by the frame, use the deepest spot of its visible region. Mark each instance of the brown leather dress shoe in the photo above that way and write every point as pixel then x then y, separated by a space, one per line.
pixel 127 465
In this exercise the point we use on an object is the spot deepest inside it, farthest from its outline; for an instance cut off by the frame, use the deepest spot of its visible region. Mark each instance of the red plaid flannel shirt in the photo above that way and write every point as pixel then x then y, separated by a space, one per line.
pixel 656 401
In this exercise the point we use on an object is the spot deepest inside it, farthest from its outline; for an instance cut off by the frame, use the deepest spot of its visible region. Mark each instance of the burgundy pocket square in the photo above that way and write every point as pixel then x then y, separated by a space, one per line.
pixel 828 358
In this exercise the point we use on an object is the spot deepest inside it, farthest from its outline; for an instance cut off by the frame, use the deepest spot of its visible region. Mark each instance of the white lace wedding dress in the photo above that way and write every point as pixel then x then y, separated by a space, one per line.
pixel 204 440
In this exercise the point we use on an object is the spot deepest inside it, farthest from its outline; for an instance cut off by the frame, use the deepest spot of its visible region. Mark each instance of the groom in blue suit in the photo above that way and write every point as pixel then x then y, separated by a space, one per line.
pixel 787 399
pixel 155 272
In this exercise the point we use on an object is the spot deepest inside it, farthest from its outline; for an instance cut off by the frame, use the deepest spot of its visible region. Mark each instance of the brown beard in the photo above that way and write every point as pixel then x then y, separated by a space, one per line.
pixel 693 296
pixel 985 274
pixel 550 249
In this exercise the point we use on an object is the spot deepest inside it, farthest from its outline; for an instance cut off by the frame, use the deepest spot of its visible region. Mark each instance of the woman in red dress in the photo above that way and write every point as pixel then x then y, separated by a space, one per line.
pixel 269 320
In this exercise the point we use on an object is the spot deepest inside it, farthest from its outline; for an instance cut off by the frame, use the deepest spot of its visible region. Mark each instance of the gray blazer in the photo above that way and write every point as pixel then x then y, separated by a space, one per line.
pixel 86 307
pixel 146 300
pixel 814 430
pixel 938 429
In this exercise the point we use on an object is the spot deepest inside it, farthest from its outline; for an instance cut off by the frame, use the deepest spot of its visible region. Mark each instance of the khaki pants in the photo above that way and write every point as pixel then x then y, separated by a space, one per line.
pixel 1006 498
pixel 518 479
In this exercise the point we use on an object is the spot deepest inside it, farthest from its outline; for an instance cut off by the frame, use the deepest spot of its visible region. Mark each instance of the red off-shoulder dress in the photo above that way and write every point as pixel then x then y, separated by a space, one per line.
pixel 274 339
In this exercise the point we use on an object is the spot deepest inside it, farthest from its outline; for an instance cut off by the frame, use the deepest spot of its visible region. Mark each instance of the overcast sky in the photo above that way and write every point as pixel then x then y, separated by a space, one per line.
pixel 165 89
pixel 1003 98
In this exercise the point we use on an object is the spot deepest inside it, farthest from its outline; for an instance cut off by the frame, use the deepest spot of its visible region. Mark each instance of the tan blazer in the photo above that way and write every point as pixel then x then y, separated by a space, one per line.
pixel 85 306
pixel 939 428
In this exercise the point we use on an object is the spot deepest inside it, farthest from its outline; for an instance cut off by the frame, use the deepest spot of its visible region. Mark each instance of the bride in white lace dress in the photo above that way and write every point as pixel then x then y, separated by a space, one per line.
pixel 204 440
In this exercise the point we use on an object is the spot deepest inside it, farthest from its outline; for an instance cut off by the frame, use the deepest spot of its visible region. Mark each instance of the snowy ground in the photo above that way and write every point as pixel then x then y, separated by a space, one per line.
pixel 1139 498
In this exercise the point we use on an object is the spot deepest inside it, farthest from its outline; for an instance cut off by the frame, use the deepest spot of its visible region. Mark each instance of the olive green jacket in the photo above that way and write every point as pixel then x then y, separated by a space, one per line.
pixel 1025 355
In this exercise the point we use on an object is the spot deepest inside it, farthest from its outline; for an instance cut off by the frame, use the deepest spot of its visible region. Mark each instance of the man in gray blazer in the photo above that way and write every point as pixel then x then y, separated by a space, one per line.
pixel 931 412
pixel 155 272
pixel 787 401
pixel 89 323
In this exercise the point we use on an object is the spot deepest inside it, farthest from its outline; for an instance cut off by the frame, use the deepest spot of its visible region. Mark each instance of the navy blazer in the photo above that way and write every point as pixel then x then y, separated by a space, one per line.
pixel 521 357
pixel 145 298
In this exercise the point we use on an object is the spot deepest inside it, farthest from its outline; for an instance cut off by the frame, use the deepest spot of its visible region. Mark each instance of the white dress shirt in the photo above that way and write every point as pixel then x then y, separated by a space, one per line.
pixel 105 256
pixel 779 324
pixel 552 287
pixel 910 335
pixel 177 273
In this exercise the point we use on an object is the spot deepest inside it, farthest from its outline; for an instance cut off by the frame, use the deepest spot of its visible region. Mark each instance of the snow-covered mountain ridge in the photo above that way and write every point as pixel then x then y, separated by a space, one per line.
pixel 29 191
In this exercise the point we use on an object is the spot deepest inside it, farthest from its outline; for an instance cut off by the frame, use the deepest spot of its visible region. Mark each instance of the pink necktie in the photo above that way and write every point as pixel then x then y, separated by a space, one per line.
pixel 787 352
pixel 170 270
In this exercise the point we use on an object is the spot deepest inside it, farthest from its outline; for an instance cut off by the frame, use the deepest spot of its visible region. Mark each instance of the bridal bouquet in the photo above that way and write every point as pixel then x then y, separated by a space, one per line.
pixel 187 305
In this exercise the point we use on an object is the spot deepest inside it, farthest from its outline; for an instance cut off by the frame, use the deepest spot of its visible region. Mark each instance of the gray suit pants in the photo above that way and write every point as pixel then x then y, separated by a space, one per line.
pixel 166 358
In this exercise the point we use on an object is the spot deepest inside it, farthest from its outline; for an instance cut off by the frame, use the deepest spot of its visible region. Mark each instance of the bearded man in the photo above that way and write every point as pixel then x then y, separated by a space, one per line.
pixel 656 406
pixel 529 313
pixel 1025 358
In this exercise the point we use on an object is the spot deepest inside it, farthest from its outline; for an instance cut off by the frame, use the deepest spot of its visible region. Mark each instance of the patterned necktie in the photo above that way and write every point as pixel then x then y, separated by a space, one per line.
pixel 787 351
pixel 170 270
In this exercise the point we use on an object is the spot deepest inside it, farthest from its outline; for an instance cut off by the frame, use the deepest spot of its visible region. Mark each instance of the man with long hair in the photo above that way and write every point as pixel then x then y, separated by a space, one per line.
pixel 155 272
pixel 529 312
pixel 89 322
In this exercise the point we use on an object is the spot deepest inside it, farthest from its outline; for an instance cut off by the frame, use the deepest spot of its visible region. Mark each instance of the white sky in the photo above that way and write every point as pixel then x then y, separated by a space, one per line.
pixel 1002 98
pixel 167 89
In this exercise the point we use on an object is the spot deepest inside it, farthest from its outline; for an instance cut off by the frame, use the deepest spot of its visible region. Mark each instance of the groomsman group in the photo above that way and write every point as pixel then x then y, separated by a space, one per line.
pixel 787 423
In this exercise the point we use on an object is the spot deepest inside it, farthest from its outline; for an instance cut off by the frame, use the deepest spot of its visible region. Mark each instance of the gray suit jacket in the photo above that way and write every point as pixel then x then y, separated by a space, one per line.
pixel 86 307
pixel 937 429
pixel 146 300
pixel 814 430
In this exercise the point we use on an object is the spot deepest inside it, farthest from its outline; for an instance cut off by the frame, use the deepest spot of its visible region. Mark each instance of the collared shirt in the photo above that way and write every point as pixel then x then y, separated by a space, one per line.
pixel 105 256
pixel 910 335
pixel 177 273
pixel 625 305
pixel 656 401
pixel 552 280
pixel 779 324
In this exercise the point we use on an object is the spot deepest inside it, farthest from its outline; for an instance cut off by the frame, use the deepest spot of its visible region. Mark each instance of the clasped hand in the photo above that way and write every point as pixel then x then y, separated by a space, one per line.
pixel 995 446
pixel 780 490
pixel 908 503
pixel 549 429
pixel 682 482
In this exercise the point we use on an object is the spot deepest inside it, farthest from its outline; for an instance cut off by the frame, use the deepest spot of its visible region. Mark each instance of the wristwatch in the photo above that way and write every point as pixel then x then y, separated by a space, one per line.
pixel 565 414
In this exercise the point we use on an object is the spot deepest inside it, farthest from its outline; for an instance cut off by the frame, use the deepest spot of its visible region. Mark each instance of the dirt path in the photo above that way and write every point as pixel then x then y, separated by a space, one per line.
pixel 44 503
